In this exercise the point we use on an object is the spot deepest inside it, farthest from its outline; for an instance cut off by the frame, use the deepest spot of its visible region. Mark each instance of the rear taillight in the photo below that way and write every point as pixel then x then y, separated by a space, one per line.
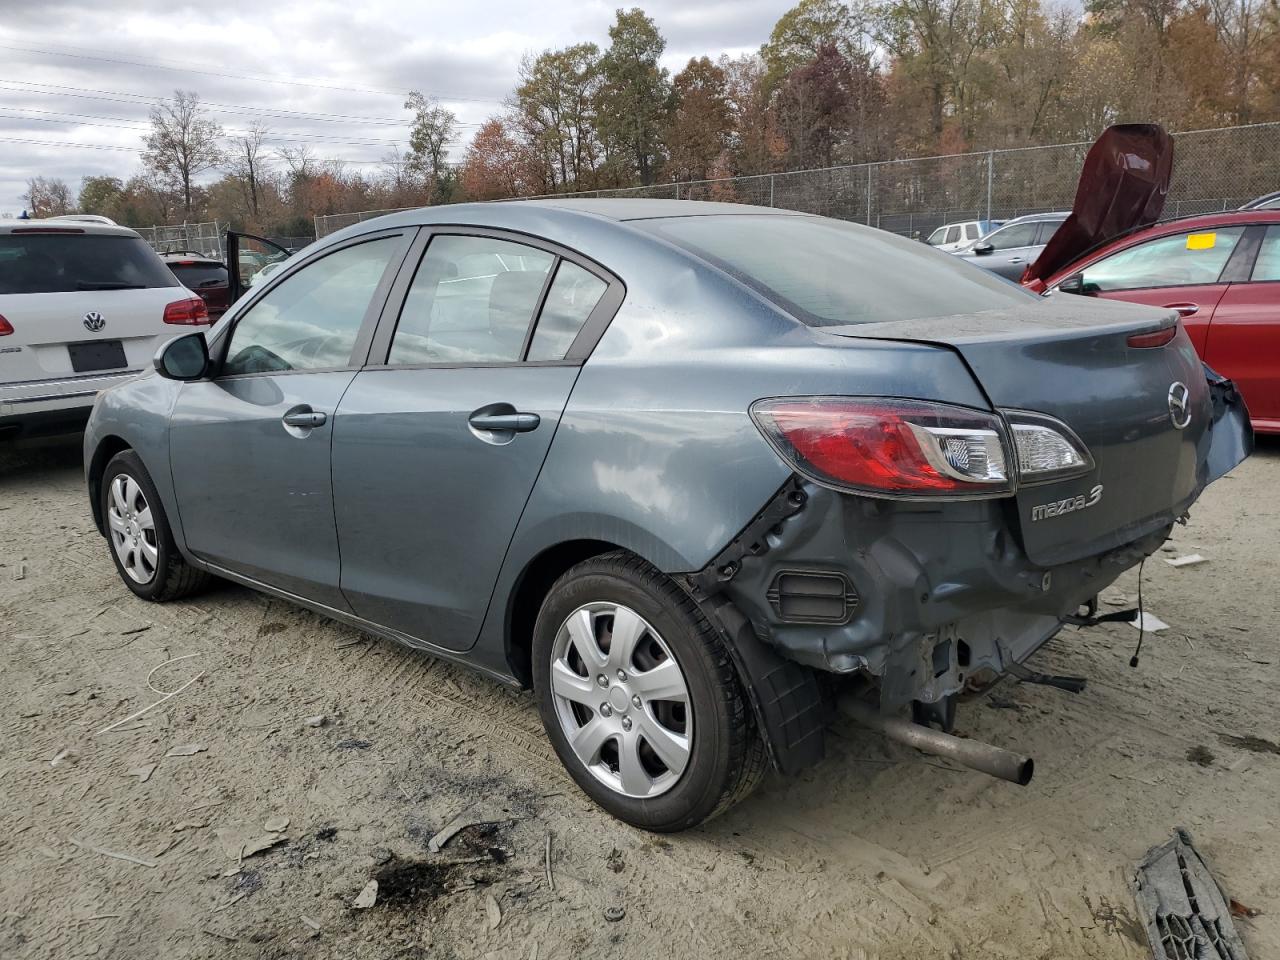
pixel 6 327
pixel 1046 448
pixel 1157 339
pixel 900 448
pixel 191 312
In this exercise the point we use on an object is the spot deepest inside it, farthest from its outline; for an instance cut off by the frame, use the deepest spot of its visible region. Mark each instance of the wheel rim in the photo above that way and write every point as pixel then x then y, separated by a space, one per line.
pixel 621 699
pixel 132 529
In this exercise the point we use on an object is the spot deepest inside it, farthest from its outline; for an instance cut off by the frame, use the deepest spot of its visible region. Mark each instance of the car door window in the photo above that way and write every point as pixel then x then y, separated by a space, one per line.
pixel 1183 259
pixel 1267 266
pixel 953 235
pixel 1047 229
pixel 311 319
pixel 971 231
pixel 1019 235
pixel 471 301
pixel 573 295
pixel 938 237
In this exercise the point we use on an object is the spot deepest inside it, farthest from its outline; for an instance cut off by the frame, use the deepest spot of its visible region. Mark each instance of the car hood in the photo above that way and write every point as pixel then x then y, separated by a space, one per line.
pixel 1123 186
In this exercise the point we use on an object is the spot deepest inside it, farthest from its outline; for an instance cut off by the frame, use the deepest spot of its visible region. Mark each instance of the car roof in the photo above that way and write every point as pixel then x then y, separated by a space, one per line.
pixel 1036 217
pixel 66 226
pixel 189 256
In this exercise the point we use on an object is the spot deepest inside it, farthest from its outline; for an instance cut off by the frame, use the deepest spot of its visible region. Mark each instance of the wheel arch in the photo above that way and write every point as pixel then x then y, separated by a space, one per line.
pixel 107 448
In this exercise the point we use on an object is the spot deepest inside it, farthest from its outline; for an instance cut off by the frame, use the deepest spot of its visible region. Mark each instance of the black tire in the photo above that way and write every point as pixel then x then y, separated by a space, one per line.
pixel 173 577
pixel 726 758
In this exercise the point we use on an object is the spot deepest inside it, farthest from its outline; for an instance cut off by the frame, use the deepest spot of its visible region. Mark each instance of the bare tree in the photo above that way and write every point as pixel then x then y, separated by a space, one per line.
pixel 183 142
pixel 47 197
pixel 300 161
pixel 247 163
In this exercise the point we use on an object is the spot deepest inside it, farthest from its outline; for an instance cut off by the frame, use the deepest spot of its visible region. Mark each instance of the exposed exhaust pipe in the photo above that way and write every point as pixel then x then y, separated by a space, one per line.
pixel 972 753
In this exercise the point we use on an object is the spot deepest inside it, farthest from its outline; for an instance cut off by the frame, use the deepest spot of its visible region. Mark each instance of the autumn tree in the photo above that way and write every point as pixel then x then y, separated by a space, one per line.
pixel 496 164
pixel 183 143
pixel 701 121
pixel 634 92
pixel 555 112
pixel 47 197
pixel 756 145
pixel 828 111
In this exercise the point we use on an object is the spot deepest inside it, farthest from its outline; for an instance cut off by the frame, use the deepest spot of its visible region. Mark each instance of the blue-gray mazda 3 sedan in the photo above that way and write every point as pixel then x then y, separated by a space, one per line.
pixel 673 465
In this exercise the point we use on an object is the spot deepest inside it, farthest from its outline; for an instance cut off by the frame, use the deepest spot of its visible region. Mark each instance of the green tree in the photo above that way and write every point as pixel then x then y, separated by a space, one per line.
pixel 634 93
pixel 434 128
pixel 100 195
pixel 806 28
pixel 555 114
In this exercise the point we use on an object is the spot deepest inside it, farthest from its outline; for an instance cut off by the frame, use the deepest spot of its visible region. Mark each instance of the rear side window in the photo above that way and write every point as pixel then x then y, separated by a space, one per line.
pixel 1180 260
pixel 574 294
pixel 195 276
pixel 1267 266
pixel 471 301
pixel 830 273
pixel 953 235
pixel 310 320
pixel 63 263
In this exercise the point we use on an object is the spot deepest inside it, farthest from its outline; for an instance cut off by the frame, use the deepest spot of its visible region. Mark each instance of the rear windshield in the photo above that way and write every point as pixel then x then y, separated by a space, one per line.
pixel 194 276
pixel 61 262
pixel 828 273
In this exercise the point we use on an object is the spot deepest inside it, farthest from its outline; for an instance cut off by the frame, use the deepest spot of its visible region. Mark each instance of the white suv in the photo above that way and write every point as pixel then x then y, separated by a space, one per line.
pixel 83 306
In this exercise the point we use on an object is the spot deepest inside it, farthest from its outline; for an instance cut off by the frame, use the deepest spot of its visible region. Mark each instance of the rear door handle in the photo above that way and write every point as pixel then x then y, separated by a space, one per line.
pixel 511 422
pixel 1015 259
pixel 1185 309
pixel 306 419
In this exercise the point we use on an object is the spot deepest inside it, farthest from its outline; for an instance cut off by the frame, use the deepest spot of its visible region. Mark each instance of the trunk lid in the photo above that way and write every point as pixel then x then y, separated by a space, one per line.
pixel 1071 360
pixel 1123 186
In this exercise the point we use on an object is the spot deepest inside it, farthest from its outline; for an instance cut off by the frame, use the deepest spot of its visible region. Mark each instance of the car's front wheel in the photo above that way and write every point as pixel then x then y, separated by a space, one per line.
pixel 138 532
pixel 639 696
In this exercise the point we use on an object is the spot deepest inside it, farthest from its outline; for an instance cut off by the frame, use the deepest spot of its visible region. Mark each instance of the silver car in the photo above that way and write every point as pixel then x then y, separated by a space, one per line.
pixel 670 464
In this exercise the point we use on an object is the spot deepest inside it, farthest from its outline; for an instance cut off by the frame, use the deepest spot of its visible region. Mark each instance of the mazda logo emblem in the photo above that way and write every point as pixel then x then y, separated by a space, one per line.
pixel 93 321
pixel 1179 404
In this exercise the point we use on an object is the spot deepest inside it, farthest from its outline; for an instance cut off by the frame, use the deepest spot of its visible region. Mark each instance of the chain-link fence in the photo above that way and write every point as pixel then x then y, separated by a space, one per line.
pixel 1213 170
pixel 207 239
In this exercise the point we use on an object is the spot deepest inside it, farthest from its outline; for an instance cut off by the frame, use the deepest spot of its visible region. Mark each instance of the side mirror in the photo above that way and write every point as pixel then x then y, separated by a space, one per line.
pixel 984 249
pixel 1075 285
pixel 183 358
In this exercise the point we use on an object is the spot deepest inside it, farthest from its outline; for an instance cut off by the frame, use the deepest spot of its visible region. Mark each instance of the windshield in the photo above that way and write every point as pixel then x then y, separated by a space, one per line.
pixel 66 262
pixel 195 276
pixel 828 272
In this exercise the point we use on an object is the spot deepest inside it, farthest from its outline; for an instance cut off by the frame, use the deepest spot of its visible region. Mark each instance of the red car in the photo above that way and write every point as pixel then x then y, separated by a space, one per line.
pixel 1220 272
pixel 203 276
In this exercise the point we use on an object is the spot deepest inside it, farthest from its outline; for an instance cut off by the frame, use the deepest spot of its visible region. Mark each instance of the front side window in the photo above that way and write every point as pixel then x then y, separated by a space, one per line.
pixel 471 301
pixel 311 319
pixel 1267 266
pixel 573 295
pixel 1180 260
pixel 1018 235
pixel 953 235
pixel 938 237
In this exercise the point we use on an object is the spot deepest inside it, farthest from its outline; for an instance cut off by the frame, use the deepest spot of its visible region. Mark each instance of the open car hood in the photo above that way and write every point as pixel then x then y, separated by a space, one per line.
pixel 1123 186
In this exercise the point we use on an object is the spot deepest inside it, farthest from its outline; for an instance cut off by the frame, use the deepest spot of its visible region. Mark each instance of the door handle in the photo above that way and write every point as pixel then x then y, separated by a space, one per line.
pixel 1015 259
pixel 512 422
pixel 1185 309
pixel 305 419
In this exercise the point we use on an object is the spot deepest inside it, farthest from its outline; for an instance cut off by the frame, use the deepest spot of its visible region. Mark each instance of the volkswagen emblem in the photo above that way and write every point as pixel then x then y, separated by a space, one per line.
pixel 93 322
pixel 1179 404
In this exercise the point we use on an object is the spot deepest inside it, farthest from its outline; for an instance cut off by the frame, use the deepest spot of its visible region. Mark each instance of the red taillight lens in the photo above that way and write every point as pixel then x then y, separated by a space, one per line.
pixel 905 448
pixel 1157 339
pixel 191 312
pixel 6 327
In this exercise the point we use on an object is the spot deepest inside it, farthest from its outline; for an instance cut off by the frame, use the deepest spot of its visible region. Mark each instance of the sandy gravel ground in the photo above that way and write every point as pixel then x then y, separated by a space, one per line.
pixel 875 854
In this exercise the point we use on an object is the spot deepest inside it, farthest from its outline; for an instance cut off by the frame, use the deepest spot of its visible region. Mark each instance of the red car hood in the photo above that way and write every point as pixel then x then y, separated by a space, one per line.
pixel 1122 186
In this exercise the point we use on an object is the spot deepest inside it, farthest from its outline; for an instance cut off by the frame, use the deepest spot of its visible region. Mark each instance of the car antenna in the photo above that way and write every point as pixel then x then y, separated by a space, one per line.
pixel 1142 632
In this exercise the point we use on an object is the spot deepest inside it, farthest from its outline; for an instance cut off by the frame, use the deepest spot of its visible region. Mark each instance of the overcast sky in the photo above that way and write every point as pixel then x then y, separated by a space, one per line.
pixel 81 75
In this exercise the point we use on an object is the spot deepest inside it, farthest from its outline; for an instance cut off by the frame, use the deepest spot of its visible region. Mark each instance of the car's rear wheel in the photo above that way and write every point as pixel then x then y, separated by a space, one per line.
pixel 639 696
pixel 138 532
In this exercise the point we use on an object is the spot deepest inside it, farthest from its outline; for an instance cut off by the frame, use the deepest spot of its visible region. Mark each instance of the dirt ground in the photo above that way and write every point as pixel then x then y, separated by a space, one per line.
pixel 878 853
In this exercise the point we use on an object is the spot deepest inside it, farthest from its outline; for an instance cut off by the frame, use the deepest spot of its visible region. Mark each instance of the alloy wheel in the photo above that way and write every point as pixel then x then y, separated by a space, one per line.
pixel 132 529
pixel 621 699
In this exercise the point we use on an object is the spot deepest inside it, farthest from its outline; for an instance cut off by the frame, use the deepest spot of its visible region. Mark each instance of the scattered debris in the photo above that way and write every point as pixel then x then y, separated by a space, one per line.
pixel 551 881
pixel 493 910
pixel 450 829
pixel 615 861
pixel 353 744
pixel 1201 755
pixel 142 629
pixel 221 936
pixel 310 923
pixel 232 902
pixel 381 855
pixel 1251 743
pixel 350 643
pixel 367 897
pixel 1238 910
pixel 276 825
pixel 1183 908
pixel 1149 622
pixel 21 572
pixel 64 758
pixel 143 773
pixel 614 914
pixel 327 834
pixel 317 721
pixel 995 702
pixel 1116 600
pixel 245 839
pixel 140 861
pixel 186 750
pixel 165 699
pixel 1190 560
